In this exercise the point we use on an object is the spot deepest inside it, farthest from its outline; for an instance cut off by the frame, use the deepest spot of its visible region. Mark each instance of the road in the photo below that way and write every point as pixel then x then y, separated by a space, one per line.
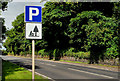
pixel 64 72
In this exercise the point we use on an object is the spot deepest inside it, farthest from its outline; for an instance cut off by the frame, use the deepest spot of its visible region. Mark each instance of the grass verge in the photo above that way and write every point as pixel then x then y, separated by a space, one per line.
pixel 73 61
pixel 12 72
pixel 105 65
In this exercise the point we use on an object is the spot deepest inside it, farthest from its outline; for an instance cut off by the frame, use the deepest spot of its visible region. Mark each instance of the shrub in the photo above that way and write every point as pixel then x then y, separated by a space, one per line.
pixel 42 52
pixel 12 53
pixel 69 52
pixel 80 54
pixel 112 52
pixel 36 53
pixel 4 52
pixel 21 53
pixel 9 53
pixel 83 55
pixel 56 54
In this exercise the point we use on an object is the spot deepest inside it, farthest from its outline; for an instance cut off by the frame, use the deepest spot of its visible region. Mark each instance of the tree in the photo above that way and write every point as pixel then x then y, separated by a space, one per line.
pixel 3 6
pixel 56 22
pixel 95 32
pixel 16 36
pixel 80 26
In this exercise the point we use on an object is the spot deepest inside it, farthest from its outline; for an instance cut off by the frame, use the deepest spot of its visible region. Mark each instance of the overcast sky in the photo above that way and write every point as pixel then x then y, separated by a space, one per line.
pixel 15 8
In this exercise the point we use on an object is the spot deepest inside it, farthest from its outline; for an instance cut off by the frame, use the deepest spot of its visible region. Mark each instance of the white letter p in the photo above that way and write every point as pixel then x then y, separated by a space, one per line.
pixel 33 14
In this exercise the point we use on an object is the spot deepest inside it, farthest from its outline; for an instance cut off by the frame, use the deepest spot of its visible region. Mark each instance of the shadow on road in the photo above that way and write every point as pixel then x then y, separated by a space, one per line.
pixel 24 65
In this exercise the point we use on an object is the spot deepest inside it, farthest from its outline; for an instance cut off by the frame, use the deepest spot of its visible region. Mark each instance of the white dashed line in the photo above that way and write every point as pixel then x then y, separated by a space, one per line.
pixel 41 63
pixel 50 64
pixel 90 73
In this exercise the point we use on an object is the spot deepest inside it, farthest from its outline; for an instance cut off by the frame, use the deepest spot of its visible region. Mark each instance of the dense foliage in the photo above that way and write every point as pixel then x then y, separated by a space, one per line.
pixel 80 30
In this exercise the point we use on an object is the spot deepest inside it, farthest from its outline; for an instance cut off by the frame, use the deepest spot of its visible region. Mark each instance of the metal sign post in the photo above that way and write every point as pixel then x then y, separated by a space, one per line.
pixel 33 60
pixel 33 30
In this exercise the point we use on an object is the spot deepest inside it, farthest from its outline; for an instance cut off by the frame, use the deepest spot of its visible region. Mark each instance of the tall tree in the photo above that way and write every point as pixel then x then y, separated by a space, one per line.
pixel 95 32
pixel 16 36
pixel 56 22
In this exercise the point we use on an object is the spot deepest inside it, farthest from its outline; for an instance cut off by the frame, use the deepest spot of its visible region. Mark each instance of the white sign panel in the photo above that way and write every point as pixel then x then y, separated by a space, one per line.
pixel 33 31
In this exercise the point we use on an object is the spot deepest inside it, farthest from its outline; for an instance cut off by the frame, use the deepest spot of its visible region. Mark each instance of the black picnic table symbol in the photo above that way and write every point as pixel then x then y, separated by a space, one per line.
pixel 34 33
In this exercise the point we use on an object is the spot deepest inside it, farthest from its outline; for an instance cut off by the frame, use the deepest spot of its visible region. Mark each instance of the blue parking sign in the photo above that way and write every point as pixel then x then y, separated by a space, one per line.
pixel 33 14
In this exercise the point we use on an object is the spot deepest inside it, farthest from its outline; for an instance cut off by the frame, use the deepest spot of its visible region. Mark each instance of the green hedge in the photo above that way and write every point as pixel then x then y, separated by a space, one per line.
pixel 42 53
pixel 81 55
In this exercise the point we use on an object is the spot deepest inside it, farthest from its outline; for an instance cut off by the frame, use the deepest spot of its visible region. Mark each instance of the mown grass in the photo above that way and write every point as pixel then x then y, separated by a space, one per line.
pixel 73 61
pixel 12 72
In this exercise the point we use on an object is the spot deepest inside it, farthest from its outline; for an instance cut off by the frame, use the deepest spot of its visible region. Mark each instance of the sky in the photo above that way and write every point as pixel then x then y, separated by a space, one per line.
pixel 15 8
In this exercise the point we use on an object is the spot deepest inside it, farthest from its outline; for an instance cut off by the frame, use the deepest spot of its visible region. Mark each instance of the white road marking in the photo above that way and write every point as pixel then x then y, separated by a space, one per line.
pixel 41 63
pixel 42 75
pixel 50 64
pixel 90 73
pixel 47 64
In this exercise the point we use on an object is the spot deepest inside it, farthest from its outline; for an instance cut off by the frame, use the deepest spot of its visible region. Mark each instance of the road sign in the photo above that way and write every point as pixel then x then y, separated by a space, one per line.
pixel 33 14
pixel 33 31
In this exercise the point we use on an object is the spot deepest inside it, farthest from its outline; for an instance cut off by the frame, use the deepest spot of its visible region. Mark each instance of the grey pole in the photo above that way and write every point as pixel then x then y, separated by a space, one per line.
pixel 1 20
pixel 33 60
